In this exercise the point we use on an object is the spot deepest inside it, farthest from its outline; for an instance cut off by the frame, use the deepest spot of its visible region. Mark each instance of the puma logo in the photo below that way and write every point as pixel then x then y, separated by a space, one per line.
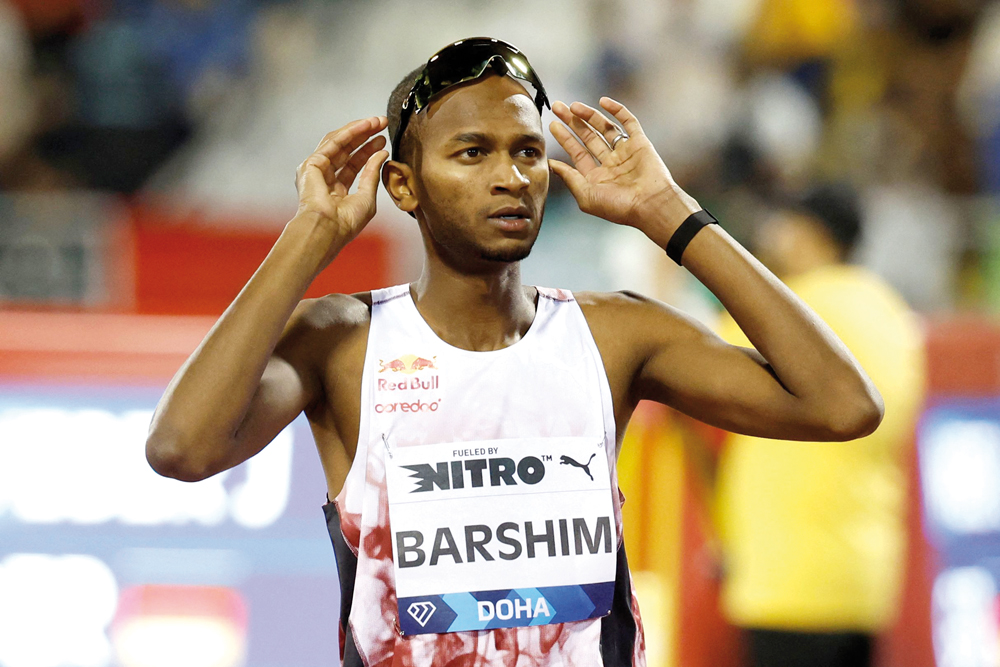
pixel 567 461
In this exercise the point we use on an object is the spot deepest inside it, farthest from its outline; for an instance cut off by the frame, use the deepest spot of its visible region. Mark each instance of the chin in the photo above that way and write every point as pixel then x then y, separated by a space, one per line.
pixel 508 255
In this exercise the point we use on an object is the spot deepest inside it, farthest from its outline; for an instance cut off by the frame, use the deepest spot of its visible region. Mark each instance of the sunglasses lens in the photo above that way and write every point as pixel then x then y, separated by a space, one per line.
pixel 466 61
pixel 460 63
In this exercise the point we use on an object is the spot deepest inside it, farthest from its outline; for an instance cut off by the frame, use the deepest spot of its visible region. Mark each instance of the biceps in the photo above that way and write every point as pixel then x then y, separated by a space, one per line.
pixel 723 385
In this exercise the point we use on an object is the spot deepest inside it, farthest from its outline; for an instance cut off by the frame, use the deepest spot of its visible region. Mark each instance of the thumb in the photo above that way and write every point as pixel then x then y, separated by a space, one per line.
pixel 573 179
pixel 368 180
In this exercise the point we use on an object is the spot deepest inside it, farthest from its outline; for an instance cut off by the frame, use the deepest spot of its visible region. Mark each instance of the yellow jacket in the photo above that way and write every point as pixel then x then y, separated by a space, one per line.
pixel 813 533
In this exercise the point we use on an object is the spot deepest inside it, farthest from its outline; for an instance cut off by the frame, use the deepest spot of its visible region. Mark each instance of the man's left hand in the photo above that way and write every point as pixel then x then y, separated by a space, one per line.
pixel 618 176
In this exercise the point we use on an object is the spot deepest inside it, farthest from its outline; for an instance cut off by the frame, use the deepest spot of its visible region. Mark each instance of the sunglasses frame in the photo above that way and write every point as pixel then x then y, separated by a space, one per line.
pixel 503 59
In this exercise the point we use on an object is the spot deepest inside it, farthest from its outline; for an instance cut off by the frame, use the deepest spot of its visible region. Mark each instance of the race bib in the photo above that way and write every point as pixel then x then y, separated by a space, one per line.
pixel 501 533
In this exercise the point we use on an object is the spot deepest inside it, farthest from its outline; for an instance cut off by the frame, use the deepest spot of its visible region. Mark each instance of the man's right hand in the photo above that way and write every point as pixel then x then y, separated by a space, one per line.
pixel 324 180
pixel 244 384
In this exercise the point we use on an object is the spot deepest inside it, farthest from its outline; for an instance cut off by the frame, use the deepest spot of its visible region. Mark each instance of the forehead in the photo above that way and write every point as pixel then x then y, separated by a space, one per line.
pixel 494 105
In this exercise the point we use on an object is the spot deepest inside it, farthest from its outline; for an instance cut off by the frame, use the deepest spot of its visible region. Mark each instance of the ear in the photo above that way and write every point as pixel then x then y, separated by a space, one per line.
pixel 398 179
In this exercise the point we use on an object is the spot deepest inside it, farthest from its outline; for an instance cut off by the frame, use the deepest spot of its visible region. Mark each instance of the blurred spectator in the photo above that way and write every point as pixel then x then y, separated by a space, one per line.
pixel 44 18
pixel 26 102
pixel 979 97
pixel 17 104
pixel 813 533
pixel 144 74
pixel 119 90
pixel 912 240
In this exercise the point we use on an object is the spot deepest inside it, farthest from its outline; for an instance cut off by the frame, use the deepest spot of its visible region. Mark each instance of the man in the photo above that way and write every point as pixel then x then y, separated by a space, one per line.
pixel 481 415
pixel 814 534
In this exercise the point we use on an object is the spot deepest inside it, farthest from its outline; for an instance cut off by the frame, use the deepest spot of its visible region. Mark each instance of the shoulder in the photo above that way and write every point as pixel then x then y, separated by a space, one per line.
pixel 334 312
pixel 631 328
pixel 610 304
pixel 318 326
pixel 635 315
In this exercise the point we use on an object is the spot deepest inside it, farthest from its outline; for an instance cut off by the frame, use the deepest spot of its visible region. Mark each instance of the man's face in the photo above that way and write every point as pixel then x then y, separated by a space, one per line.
pixel 482 174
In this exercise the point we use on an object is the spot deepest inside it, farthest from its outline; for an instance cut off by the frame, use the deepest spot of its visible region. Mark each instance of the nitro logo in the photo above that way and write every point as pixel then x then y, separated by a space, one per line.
pixel 421 612
pixel 454 474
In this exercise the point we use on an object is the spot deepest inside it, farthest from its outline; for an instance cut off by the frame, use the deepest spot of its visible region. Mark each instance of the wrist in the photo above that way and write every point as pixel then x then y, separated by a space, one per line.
pixel 312 240
pixel 672 209
pixel 684 234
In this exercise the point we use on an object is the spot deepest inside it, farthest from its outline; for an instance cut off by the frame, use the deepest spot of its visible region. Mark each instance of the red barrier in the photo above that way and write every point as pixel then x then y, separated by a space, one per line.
pixel 193 266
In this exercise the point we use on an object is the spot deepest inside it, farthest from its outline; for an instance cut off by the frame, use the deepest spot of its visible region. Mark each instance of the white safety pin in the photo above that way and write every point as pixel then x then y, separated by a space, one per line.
pixel 385 441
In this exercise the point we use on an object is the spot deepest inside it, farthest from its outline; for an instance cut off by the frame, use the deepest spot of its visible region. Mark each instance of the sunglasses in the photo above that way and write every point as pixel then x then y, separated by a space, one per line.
pixel 463 61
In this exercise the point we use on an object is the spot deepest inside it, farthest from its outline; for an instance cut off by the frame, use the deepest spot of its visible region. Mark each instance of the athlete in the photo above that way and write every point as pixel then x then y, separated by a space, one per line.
pixel 446 411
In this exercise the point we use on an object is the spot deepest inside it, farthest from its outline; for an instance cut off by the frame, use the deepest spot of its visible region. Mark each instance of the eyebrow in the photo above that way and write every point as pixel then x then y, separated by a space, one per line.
pixel 479 137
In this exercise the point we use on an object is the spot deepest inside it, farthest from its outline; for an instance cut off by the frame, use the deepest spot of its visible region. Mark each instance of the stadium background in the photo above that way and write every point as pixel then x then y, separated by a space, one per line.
pixel 147 149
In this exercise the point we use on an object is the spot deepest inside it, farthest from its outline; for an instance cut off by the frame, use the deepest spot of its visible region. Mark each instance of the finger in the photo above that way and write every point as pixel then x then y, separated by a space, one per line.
pixel 622 115
pixel 371 125
pixel 339 144
pixel 582 159
pixel 320 162
pixel 594 142
pixel 311 181
pixel 574 180
pixel 597 120
pixel 350 170
pixel 368 183
pixel 345 132
pixel 344 146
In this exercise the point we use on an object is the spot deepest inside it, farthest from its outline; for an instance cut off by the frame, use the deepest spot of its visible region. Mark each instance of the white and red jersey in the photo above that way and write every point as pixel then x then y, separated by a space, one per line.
pixel 419 390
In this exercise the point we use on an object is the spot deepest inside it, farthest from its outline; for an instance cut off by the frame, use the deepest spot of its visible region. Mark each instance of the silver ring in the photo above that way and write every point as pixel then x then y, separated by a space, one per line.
pixel 621 137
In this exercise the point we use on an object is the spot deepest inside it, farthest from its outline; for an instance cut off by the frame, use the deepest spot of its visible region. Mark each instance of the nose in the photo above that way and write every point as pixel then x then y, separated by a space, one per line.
pixel 509 179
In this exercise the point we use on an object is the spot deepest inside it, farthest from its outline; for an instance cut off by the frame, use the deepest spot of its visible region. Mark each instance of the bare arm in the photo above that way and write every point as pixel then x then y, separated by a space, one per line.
pixel 257 368
pixel 803 384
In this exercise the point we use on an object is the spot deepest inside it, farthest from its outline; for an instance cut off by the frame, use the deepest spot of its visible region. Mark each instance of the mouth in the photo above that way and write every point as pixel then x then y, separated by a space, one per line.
pixel 511 218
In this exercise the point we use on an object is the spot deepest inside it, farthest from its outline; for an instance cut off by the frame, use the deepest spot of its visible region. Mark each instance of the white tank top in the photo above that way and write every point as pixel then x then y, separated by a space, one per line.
pixel 418 390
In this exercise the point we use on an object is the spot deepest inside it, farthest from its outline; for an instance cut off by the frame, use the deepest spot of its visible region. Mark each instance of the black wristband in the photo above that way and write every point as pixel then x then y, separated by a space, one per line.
pixel 691 226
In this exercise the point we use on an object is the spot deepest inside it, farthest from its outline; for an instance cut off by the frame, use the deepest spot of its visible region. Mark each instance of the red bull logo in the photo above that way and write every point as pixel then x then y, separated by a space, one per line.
pixel 420 364
pixel 408 363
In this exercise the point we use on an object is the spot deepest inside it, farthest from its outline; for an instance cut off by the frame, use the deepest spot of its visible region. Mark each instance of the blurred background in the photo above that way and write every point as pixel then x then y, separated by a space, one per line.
pixel 147 156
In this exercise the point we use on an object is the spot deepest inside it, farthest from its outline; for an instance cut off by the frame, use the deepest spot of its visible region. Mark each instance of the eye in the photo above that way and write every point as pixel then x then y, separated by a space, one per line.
pixel 530 152
pixel 472 151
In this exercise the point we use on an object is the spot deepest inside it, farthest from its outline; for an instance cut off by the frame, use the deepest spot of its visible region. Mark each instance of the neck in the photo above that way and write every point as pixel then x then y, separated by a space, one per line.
pixel 480 312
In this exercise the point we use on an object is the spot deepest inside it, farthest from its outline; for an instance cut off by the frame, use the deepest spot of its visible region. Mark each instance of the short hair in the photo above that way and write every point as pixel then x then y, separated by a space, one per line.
pixel 835 206
pixel 394 111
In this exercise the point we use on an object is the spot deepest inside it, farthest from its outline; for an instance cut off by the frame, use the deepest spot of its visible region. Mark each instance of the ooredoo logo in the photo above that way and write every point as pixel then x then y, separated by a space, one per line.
pixel 408 406
pixel 408 363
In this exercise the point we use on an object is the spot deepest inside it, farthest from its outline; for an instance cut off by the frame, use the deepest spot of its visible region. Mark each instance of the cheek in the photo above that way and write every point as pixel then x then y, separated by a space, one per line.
pixel 540 177
pixel 443 186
